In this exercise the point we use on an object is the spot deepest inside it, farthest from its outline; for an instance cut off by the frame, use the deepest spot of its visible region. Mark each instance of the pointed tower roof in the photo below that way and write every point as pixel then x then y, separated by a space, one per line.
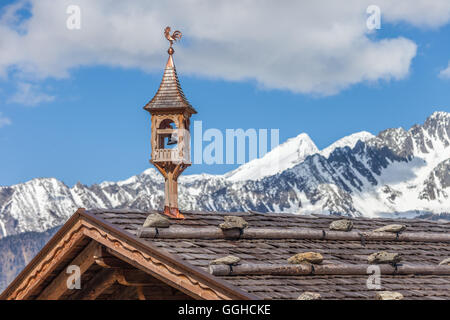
pixel 169 96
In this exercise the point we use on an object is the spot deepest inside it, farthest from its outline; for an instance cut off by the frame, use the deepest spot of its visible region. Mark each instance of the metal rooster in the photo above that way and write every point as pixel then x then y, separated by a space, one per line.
pixel 176 35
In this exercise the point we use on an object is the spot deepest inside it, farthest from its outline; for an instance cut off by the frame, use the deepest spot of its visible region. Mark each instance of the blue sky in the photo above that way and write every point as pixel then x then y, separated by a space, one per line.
pixel 88 125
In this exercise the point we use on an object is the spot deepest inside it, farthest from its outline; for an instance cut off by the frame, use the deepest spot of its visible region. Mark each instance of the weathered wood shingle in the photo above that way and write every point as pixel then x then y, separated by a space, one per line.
pixel 169 96
pixel 200 252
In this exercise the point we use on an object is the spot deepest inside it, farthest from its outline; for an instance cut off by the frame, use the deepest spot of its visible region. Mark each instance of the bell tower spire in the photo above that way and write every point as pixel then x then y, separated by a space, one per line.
pixel 170 130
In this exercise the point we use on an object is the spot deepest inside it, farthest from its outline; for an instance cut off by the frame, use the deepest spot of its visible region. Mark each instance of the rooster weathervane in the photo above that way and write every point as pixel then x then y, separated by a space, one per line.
pixel 175 36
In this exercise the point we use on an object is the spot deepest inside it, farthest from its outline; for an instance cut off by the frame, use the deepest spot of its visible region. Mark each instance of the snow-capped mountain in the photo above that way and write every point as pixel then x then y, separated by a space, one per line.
pixel 280 158
pixel 398 172
pixel 348 141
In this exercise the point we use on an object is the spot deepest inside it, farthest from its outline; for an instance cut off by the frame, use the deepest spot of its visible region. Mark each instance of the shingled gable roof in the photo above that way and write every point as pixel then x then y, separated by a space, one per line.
pixel 105 250
pixel 188 246
pixel 169 96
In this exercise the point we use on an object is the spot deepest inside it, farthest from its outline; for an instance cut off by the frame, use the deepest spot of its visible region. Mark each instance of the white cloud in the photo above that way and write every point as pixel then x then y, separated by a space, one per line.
pixel 318 47
pixel 29 95
pixel 4 121
pixel 420 13
pixel 445 73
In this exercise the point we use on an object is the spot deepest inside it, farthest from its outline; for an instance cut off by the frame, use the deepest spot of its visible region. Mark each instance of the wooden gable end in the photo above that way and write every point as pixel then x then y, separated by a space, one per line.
pixel 112 265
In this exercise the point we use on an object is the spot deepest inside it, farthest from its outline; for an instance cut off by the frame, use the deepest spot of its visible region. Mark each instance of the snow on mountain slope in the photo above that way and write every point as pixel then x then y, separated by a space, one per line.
pixel 398 172
pixel 280 158
pixel 289 154
pixel 348 141
pixel 36 205
pixel 420 183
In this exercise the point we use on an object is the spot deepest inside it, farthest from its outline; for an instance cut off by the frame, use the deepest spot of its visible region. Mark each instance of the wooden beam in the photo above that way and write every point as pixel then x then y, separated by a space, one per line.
pixel 59 285
pixel 269 233
pixel 138 278
pixel 165 131
pixel 163 293
pixel 325 269
pixel 176 170
pixel 140 267
pixel 106 260
pixel 181 232
pixel 124 293
pixel 160 169
pixel 140 293
pixel 99 283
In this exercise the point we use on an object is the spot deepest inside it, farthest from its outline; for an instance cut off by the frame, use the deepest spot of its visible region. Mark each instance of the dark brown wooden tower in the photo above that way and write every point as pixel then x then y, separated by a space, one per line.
pixel 170 136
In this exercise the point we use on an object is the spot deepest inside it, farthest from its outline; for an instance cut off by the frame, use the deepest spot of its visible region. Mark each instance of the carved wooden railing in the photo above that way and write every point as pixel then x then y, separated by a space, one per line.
pixel 172 155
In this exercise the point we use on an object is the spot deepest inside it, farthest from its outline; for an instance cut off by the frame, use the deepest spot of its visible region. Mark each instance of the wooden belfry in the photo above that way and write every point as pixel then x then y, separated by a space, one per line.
pixel 170 121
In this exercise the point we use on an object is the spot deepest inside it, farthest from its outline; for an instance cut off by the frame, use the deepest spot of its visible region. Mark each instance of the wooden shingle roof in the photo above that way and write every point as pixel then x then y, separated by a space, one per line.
pixel 180 257
pixel 197 240
pixel 169 96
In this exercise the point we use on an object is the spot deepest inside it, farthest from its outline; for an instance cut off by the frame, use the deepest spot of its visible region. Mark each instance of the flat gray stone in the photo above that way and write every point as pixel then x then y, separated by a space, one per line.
pixel 228 260
pixel 233 222
pixel 309 296
pixel 388 295
pixel 156 220
pixel 384 257
pixel 393 228
pixel 308 257
pixel 341 225
pixel 445 262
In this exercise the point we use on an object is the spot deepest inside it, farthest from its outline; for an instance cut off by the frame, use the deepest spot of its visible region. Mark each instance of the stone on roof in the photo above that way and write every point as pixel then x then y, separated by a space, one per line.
pixel 388 295
pixel 341 225
pixel 228 260
pixel 156 220
pixel 394 228
pixel 309 296
pixel 309 257
pixel 384 257
pixel 233 222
